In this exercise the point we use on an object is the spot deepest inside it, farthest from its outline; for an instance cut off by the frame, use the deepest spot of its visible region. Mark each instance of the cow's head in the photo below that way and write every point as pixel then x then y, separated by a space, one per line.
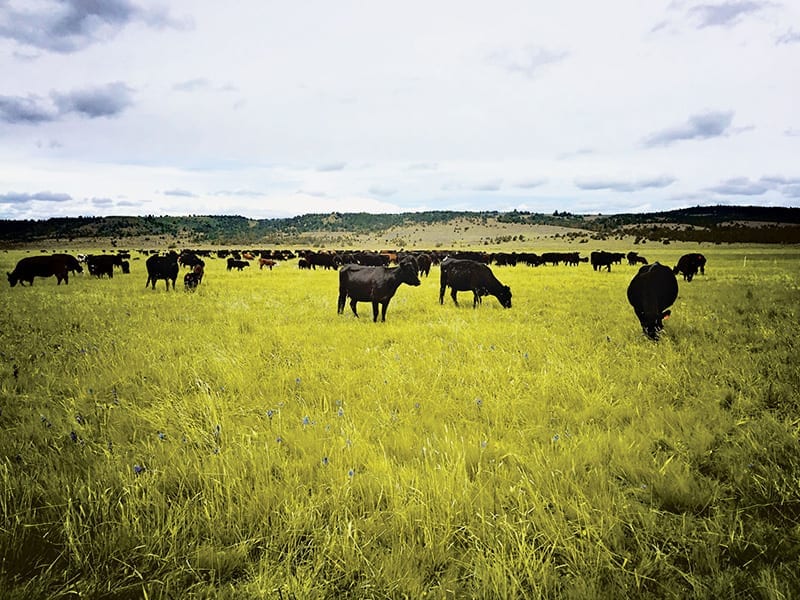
pixel 12 279
pixel 408 273
pixel 652 323
pixel 504 296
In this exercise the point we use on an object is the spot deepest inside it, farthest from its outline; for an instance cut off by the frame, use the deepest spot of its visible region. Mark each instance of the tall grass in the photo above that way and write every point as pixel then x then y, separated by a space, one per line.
pixel 246 441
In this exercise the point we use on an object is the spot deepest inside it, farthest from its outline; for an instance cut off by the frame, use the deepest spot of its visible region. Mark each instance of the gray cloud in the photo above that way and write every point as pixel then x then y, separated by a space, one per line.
pixel 530 183
pixel 790 37
pixel 380 190
pixel 23 198
pixel 70 25
pixel 741 186
pixel 625 186
pixel 336 166
pixel 102 201
pixel 527 61
pixel 30 110
pixel 106 101
pixel 725 14
pixel 182 193
pixel 493 185
pixel 701 126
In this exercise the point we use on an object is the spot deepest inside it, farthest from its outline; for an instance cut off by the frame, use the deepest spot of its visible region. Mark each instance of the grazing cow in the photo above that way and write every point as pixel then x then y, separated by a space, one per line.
pixel 103 264
pixel 39 266
pixel 689 264
pixel 237 264
pixel 162 267
pixel 302 263
pixel 73 264
pixel 651 292
pixel 373 284
pixel 602 259
pixel 193 279
pixel 463 275
pixel 635 259
pixel 266 262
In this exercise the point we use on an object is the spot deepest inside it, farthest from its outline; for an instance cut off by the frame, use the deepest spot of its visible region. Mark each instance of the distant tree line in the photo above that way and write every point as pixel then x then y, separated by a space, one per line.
pixel 715 224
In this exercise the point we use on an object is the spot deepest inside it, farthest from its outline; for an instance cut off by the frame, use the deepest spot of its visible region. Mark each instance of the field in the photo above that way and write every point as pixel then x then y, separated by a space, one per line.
pixel 245 441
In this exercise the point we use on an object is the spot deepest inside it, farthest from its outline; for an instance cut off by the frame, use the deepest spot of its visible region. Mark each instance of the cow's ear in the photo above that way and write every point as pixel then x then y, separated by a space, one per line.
pixel 666 314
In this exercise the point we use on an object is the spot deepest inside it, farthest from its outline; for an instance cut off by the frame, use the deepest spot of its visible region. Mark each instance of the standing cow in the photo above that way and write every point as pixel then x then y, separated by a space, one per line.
pixel 373 284
pixel 651 292
pixel 463 275
pixel 162 267
pixel 40 266
pixel 689 264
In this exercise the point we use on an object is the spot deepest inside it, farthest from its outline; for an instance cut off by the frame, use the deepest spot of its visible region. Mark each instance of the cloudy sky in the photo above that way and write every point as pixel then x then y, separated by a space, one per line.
pixel 264 108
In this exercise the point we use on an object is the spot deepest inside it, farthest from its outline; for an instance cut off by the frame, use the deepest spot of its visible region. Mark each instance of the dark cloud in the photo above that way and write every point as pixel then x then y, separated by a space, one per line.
pixel 29 110
pixel 71 25
pixel 102 201
pixel 23 198
pixel 182 193
pixel 725 14
pixel 701 126
pixel 526 61
pixel 106 101
pixel 625 186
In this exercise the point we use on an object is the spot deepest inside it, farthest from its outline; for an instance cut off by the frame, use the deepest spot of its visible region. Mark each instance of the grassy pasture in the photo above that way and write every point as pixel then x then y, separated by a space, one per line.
pixel 246 441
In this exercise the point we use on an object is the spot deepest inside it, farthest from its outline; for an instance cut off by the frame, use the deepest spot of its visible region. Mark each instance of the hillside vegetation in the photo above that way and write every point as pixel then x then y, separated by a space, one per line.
pixel 699 224
pixel 245 441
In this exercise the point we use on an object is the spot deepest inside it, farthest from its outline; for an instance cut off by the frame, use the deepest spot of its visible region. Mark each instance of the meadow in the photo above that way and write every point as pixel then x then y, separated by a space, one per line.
pixel 245 441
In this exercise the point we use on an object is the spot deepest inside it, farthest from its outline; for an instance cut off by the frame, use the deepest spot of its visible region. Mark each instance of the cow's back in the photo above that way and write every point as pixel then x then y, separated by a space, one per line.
pixel 656 282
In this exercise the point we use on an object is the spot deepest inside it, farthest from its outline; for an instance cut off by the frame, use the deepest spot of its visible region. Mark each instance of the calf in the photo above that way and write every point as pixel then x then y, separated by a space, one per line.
pixel 237 264
pixel 651 292
pixel 373 284
pixel 193 279
pixel 464 275
pixel 266 262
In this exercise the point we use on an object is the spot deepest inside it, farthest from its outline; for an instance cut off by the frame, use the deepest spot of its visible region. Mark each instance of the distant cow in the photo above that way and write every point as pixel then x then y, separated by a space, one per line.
pixel 237 264
pixel 162 267
pixel 689 264
pixel 463 275
pixel 373 284
pixel 635 259
pixel 601 258
pixel 302 263
pixel 266 262
pixel 424 261
pixel 39 266
pixel 193 279
pixel 651 292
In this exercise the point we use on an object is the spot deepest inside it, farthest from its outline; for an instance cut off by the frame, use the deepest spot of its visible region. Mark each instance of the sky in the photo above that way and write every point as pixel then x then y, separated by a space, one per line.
pixel 267 109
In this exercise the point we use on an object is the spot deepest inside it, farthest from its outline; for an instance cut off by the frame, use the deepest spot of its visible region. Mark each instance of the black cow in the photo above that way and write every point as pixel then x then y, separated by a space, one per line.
pixel 424 261
pixel 103 264
pixel 601 258
pixel 73 264
pixel 193 279
pixel 635 259
pixel 651 292
pixel 237 264
pixel 39 266
pixel 162 267
pixel 689 264
pixel 373 284
pixel 463 275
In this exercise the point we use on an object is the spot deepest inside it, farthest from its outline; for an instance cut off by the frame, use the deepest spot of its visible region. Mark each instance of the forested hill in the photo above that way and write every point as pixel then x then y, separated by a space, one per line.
pixel 708 224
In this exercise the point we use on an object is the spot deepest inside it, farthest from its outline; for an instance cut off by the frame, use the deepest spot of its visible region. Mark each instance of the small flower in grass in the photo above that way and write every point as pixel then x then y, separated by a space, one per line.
pixel 216 450
pixel 340 412
pixel 555 438
pixel 110 446
pixel 297 381
pixel 270 413
pixel 306 421
pixel 217 430
pixel 79 418
pixel 279 439
pixel 350 473
pixel 73 436
pixel 325 461
pixel 644 486
pixel 138 469
pixel 162 436
pixel 484 443
pixel 478 402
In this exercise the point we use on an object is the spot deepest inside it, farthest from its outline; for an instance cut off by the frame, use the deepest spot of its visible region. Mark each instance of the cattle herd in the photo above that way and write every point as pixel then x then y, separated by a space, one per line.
pixel 369 276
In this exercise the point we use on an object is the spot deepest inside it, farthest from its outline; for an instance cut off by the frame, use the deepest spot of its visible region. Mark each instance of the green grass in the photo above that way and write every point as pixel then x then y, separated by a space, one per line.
pixel 549 450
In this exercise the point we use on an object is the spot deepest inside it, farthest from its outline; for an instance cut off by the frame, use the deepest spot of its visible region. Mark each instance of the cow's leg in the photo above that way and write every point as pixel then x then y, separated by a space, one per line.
pixel 353 302
pixel 453 296
pixel 476 298
pixel 442 289
pixel 375 311
pixel 340 302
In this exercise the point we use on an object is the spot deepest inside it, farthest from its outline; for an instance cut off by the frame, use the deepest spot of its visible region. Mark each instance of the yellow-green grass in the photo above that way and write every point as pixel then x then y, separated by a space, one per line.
pixel 246 441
